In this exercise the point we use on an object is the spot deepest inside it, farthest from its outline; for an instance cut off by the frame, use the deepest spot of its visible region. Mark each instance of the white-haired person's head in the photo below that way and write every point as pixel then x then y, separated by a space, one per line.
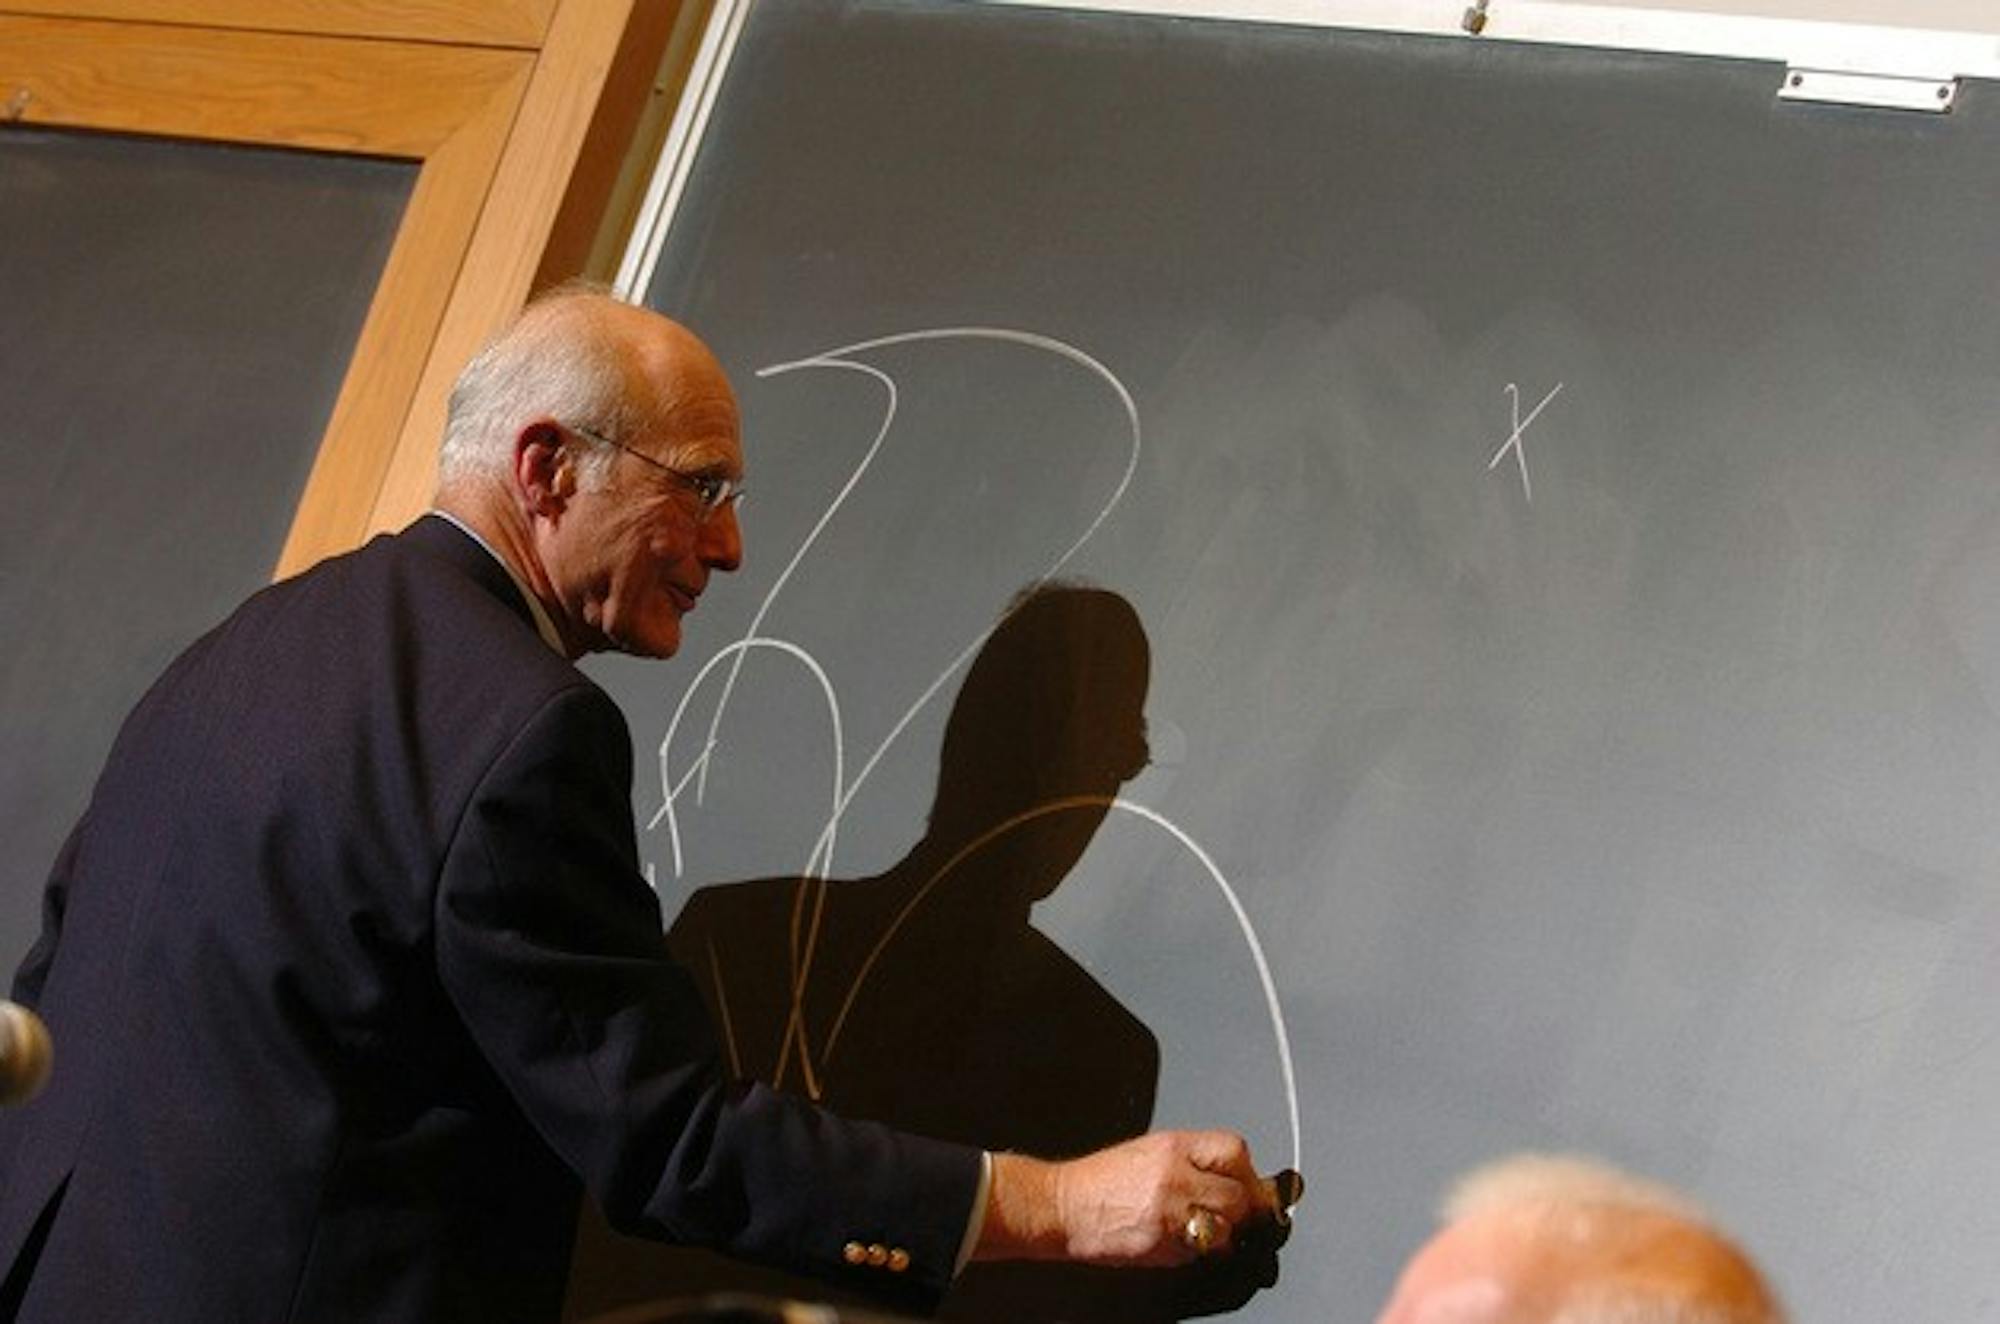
pixel 1563 1239
pixel 562 357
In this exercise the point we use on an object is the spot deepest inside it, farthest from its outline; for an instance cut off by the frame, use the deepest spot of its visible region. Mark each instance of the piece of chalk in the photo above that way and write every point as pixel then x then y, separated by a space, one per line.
pixel 1287 1188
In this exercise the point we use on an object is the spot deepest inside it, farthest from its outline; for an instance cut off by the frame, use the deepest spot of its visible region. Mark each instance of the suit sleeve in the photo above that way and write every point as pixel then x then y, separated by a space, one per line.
pixel 34 970
pixel 550 945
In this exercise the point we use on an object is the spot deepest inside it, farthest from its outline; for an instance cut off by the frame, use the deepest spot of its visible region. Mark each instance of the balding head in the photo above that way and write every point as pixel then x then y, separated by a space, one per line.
pixel 578 355
pixel 1543 1240
pixel 594 447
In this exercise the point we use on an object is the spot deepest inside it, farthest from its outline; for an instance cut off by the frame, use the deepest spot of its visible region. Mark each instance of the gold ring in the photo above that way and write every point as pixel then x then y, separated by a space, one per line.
pixel 1200 1231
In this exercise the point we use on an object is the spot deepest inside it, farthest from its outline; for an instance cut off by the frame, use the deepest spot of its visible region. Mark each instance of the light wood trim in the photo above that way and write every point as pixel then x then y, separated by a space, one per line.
pixel 518 23
pixel 497 130
pixel 417 287
pixel 639 81
pixel 450 108
pixel 618 217
pixel 528 190
pixel 328 94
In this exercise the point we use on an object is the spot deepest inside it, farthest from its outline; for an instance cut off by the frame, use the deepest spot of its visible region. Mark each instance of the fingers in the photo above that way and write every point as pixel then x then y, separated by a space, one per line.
pixel 1162 1199
pixel 1232 1209
pixel 1223 1193
pixel 1222 1152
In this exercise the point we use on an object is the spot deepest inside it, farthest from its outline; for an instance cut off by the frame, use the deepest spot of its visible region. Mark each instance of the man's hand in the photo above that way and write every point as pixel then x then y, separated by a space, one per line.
pixel 1162 1199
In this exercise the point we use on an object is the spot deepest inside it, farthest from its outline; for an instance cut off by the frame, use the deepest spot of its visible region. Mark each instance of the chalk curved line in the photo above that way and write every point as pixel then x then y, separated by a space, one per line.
pixel 1270 988
pixel 801 960
pixel 806 545
pixel 1033 340
pixel 722 1009
pixel 738 650
pixel 819 861
pixel 837 358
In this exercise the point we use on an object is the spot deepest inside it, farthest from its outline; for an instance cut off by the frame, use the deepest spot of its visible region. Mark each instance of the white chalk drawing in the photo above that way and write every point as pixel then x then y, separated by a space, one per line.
pixel 819 864
pixel 1514 443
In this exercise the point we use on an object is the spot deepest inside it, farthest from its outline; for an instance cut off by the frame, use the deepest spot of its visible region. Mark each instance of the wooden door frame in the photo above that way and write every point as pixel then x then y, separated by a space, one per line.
pixel 495 101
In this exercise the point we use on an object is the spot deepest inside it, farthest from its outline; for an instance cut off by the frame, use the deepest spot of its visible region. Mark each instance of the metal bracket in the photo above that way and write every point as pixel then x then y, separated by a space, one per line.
pixel 1937 96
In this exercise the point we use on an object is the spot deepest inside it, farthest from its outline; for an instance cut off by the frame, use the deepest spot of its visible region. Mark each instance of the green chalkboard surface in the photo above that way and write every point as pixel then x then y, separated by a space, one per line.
pixel 1559 493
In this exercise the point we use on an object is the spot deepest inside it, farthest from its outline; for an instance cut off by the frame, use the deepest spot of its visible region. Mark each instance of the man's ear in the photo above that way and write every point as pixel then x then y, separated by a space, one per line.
pixel 544 474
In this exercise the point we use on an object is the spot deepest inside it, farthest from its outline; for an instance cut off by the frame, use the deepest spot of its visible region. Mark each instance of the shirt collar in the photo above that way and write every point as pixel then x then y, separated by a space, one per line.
pixel 544 626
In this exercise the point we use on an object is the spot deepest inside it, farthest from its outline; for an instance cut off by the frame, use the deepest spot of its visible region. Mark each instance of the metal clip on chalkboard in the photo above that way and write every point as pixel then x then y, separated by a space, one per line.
pixel 1892 92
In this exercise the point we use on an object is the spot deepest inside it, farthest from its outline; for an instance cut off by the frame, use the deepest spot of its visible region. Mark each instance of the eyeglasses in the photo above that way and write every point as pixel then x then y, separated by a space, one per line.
pixel 711 493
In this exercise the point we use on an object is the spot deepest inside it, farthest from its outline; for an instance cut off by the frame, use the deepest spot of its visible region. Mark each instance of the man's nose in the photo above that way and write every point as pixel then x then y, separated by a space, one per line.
pixel 722 540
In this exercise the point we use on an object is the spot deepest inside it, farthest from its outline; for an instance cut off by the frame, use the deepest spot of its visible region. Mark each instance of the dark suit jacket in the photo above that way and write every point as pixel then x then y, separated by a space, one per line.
pixel 352 976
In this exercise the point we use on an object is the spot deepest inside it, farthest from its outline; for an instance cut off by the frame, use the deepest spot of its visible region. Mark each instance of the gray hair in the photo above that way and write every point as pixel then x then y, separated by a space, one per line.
pixel 554 362
pixel 1545 1184
pixel 1627 1304
pixel 1575 1198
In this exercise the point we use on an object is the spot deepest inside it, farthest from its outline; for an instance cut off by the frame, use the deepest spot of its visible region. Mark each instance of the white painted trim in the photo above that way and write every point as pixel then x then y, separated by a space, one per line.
pixel 1847 47
pixel 1808 43
pixel 684 137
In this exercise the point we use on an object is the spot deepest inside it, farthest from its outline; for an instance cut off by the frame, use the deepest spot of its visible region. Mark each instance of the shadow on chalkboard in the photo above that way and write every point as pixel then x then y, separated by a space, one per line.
pixel 924 996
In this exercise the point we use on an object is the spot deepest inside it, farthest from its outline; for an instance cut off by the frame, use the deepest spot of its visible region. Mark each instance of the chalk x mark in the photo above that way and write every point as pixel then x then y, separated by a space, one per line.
pixel 1513 442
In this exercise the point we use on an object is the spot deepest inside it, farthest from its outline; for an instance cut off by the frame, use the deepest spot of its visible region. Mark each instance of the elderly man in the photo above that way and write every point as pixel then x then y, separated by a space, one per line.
pixel 1550 1240
pixel 353 978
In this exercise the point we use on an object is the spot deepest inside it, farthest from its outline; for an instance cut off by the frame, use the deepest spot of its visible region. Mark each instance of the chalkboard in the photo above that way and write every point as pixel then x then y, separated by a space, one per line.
pixel 1559 493
pixel 178 319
